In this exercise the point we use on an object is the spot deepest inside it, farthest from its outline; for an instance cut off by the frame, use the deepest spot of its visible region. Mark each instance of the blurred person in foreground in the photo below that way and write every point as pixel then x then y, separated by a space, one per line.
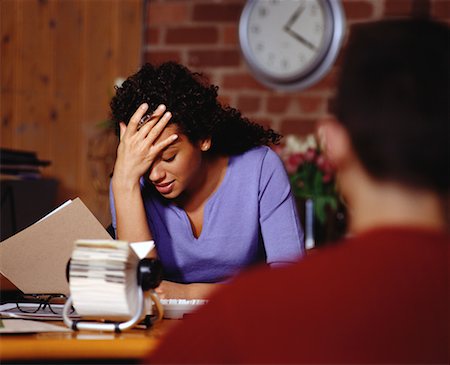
pixel 380 295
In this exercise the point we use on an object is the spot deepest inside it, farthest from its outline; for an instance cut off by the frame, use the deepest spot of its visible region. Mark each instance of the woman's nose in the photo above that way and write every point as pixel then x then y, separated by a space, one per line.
pixel 157 173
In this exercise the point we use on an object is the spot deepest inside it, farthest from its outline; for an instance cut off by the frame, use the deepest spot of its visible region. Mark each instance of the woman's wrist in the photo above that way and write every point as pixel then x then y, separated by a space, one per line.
pixel 124 185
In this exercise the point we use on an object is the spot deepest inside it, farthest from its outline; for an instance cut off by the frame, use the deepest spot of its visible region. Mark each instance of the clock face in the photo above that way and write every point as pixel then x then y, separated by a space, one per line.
pixel 286 41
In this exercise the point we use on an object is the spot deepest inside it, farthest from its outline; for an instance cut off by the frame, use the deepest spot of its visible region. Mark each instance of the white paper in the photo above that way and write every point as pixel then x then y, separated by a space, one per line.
pixel 27 326
pixel 142 248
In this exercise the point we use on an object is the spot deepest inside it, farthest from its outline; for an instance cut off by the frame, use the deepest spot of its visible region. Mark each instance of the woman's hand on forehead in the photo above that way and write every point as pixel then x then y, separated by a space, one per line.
pixel 139 147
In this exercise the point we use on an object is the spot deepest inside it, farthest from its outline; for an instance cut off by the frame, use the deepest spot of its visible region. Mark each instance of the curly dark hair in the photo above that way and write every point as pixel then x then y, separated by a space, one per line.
pixel 194 107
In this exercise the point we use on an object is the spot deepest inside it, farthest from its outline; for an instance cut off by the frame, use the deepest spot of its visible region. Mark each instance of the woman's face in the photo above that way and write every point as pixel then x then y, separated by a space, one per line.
pixel 177 169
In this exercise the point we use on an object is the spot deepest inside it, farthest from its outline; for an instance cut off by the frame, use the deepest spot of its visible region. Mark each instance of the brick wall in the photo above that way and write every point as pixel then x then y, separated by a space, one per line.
pixel 203 35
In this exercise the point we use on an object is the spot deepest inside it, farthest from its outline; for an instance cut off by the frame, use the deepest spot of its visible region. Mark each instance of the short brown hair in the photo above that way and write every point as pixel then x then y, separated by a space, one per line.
pixel 393 98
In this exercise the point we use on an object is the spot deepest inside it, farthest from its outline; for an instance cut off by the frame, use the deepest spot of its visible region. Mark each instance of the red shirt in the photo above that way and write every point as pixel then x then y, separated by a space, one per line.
pixel 380 297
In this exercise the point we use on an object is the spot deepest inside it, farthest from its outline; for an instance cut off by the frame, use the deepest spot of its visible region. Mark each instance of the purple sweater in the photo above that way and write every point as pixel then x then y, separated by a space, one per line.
pixel 251 218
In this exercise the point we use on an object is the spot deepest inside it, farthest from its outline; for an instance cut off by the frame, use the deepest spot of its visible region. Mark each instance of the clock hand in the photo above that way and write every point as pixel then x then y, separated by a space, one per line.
pixel 298 37
pixel 294 17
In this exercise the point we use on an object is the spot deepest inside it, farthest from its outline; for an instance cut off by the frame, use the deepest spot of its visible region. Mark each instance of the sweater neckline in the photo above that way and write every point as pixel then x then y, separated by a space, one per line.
pixel 214 196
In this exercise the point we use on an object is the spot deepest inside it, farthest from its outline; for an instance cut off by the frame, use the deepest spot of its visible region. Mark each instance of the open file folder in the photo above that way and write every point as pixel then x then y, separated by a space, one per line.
pixel 35 258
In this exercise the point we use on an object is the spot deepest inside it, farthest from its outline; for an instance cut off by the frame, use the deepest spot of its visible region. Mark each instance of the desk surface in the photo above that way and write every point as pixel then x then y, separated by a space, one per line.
pixel 131 344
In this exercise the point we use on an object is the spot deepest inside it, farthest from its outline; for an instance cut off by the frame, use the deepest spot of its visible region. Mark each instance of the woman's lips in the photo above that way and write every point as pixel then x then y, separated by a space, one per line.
pixel 164 188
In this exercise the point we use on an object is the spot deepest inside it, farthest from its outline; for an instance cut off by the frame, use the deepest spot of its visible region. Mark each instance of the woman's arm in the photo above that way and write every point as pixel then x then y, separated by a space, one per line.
pixel 132 225
pixel 280 226
pixel 135 155
pixel 171 290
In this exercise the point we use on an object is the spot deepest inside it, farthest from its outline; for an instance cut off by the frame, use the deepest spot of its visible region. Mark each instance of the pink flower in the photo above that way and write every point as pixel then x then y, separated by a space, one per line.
pixel 296 159
pixel 324 165
pixel 327 178
pixel 310 154
pixel 278 149
pixel 293 161
pixel 321 161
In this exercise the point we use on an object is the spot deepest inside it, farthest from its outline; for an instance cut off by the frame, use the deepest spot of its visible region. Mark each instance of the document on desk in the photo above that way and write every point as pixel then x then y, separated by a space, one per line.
pixel 35 259
pixel 27 326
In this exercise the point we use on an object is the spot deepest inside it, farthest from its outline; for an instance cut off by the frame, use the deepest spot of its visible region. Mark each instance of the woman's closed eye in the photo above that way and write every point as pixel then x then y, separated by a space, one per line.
pixel 169 159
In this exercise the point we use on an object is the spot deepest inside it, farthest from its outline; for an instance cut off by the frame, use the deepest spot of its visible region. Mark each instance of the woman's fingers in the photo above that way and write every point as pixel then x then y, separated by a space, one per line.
pixel 136 117
pixel 143 141
pixel 152 117
pixel 158 147
pixel 151 122
pixel 123 129
pixel 153 129
pixel 141 118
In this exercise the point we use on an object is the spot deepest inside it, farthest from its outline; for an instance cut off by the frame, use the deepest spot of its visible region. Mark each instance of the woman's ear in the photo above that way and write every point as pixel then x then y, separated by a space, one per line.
pixel 205 144
pixel 334 141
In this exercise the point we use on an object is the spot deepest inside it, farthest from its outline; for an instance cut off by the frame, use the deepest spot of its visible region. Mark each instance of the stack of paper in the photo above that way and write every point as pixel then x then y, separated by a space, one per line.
pixel 103 279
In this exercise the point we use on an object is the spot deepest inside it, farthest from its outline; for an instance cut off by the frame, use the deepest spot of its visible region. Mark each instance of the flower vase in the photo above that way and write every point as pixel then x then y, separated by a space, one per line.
pixel 318 233
pixel 309 224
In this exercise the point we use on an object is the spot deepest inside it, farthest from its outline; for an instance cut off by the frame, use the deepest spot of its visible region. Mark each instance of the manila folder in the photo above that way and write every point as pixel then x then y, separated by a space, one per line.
pixel 35 259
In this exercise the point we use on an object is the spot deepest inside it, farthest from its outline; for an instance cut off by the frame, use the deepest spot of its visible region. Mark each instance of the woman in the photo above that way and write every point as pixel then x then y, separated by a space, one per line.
pixel 200 180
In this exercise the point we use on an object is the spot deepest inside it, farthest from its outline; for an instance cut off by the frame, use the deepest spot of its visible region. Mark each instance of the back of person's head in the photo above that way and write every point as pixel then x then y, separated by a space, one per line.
pixel 393 99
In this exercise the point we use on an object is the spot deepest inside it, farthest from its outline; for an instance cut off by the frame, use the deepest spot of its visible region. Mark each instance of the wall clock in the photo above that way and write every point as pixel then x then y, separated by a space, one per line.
pixel 291 44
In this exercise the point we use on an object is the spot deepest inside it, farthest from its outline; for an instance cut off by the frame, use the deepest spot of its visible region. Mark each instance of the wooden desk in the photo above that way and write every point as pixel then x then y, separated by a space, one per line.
pixel 60 347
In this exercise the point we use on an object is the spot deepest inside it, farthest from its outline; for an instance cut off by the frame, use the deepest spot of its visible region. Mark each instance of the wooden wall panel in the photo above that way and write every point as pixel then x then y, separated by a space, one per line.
pixel 69 88
pixel 101 76
pixel 59 60
pixel 33 74
pixel 8 56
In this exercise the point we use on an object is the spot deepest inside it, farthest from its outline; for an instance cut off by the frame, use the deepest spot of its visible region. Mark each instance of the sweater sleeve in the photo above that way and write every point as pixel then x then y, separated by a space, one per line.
pixel 112 209
pixel 280 226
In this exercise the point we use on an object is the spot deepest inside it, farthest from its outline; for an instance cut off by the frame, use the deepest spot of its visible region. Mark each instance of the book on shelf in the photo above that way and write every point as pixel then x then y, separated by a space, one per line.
pixel 18 164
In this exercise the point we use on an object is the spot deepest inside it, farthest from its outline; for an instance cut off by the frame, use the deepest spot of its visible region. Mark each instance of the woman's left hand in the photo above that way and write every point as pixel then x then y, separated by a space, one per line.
pixel 171 290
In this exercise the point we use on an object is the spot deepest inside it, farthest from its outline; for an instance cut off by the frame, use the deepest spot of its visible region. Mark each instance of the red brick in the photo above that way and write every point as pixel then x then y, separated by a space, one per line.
pixel 340 55
pixel 157 57
pixel 277 104
pixel 298 126
pixel 152 36
pixel 266 123
pixel 328 82
pixel 398 7
pixel 212 58
pixel 230 35
pixel 249 104
pixel 190 35
pixel 210 12
pixel 208 76
pixel 357 9
pixel 224 100
pixel 310 104
pixel 440 9
pixel 167 13
pixel 331 105
pixel 242 81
